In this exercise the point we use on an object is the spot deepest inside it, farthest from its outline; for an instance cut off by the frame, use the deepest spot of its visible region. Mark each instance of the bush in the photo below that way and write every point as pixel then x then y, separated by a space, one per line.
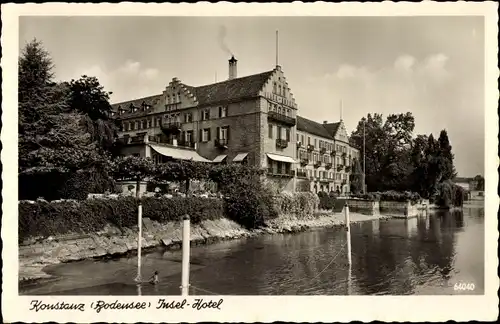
pixel 42 218
pixel 449 194
pixel 250 202
pixel 300 204
pixel 326 201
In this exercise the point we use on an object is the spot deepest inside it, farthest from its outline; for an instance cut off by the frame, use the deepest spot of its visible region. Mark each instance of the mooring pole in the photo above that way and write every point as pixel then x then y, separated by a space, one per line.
pixel 185 256
pixel 139 244
pixel 348 237
pixel 348 233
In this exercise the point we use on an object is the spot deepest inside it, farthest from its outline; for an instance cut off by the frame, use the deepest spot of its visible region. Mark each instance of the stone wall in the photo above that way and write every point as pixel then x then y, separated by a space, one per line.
pixel 364 206
pixel 34 256
pixel 401 209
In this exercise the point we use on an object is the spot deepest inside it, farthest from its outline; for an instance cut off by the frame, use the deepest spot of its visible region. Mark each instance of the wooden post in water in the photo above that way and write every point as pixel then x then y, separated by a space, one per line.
pixel 348 238
pixel 139 244
pixel 185 256
pixel 348 231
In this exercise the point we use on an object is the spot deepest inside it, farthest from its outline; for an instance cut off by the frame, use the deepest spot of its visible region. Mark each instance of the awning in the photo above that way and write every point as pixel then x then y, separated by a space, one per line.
pixel 280 158
pixel 178 153
pixel 219 158
pixel 240 157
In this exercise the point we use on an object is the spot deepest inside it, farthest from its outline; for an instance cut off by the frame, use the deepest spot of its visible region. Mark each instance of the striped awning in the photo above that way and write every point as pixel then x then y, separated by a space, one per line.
pixel 219 158
pixel 281 158
pixel 178 153
pixel 240 157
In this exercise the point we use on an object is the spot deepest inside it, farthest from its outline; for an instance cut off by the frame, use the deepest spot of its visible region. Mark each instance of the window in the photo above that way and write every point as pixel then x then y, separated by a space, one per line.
pixel 270 131
pixel 148 123
pixel 178 97
pixel 309 140
pixel 168 99
pixel 302 139
pixel 205 115
pixel 287 134
pixel 315 142
pixel 298 140
pixel 278 132
pixel 279 91
pixel 223 133
pixel 274 87
pixel 222 112
pixel 279 110
pixel 205 135
pixel 158 122
pixel 189 136
pixel 188 117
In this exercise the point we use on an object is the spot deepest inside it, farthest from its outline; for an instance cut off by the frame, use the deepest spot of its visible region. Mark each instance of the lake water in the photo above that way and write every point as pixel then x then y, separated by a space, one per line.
pixel 427 255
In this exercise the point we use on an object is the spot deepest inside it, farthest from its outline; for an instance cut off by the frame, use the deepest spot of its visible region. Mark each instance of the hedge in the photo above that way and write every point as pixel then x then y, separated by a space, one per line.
pixel 449 194
pixel 42 218
pixel 391 195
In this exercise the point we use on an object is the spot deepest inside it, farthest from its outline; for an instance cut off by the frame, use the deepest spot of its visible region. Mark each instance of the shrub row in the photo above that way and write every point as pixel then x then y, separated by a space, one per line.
pixel 327 201
pixel 42 218
pixel 391 195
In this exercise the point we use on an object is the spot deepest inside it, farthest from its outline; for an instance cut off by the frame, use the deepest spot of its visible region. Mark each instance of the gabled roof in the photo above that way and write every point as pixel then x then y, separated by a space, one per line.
pixel 332 128
pixel 238 88
pixel 312 127
pixel 234 89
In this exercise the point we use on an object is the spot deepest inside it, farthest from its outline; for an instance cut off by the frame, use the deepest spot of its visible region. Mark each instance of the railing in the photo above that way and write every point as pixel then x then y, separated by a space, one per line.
pixel 333 153
pixel 299 144
pixel 283 173
pixel 169 127
pixel 302 174
pixel 322 150
pixel 221 142
pixel 281 143
pixel 273 115
pixel 304 161
pixel 328 166
pixel 317 164
pixel 310 147
pixel 340 167
pixel 185 143
pixel 173 106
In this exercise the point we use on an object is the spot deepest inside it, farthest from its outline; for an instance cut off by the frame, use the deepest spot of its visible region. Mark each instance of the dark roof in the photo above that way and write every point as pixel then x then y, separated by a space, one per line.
pixel 312 127
pixel 238 88
pixel 332 128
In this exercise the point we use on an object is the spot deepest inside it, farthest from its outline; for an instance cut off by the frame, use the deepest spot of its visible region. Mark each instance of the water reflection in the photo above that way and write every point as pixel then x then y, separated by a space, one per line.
pixel 423 255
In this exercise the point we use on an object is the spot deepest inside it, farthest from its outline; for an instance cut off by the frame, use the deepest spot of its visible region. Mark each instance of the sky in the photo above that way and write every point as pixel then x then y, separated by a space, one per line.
pixel 430 66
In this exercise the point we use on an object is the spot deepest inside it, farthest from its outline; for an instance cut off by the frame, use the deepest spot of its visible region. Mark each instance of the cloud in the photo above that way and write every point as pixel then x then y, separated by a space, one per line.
pixel 405 85
pixel 129 77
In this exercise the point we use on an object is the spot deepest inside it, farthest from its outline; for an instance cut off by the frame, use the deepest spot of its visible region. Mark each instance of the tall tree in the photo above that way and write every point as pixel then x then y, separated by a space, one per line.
pixel 88 97
pixel 54 142
pixel 446 156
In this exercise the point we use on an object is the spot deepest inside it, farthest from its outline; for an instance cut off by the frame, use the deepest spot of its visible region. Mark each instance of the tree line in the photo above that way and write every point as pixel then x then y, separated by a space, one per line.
pixel 395 160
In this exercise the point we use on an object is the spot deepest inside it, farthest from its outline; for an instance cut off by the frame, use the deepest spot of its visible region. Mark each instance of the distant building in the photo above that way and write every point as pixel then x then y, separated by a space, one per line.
pixel 251 119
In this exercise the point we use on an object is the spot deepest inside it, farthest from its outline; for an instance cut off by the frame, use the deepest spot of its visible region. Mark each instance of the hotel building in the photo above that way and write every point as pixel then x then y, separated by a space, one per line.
pixel 252 120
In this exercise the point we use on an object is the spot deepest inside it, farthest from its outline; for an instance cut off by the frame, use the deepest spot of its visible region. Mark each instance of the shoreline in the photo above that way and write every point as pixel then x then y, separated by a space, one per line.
pixel 114 243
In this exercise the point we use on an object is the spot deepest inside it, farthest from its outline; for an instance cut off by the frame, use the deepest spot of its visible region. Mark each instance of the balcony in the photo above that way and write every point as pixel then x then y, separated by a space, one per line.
pixel 136 139
pixel 344 154
pixel 317 164
pixel 340 167
pixel 185 143
pixel 281 143
pixel 333 153
pixel 304 161
pixel 280 173
pixel 322 150
pixel 302 174
pixel 328 166
pixel 171 127
pixel 310 147
pixel 299 144
pixel 280 118
pixel 221 143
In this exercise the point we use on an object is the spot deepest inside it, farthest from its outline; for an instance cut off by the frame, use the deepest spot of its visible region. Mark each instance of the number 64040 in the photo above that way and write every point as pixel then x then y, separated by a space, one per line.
pixel 464 286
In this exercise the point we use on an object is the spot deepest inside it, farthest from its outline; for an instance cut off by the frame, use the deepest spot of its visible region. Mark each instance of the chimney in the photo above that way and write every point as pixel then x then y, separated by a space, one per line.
pixel 232 68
